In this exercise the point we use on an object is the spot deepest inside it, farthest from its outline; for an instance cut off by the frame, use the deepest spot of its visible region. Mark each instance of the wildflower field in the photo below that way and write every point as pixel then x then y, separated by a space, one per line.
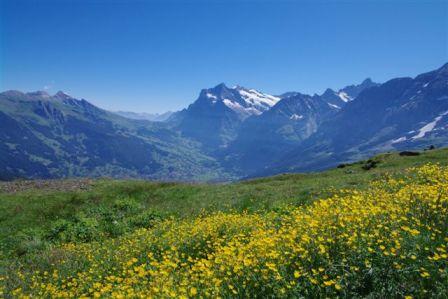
pixel 387 240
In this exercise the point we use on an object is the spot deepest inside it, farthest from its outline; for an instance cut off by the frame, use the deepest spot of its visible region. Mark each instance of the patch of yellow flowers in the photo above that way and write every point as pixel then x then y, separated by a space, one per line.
pixel 387 241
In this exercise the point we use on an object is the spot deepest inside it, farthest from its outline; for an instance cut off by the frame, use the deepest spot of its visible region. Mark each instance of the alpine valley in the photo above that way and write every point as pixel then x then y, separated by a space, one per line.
pixel 226 134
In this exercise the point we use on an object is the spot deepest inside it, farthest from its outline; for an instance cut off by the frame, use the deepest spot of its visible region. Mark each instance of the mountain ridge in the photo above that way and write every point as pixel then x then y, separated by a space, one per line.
pixel 390 113
pixel 226 133
pixel 48 137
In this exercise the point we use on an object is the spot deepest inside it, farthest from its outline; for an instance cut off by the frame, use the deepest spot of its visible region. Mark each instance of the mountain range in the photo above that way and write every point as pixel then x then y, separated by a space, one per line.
pixel 44 136
pixel 227 133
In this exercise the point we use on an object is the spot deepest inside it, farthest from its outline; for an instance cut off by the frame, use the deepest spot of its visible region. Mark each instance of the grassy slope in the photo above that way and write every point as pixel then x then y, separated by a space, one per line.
pixel 125 142
pixel 32 219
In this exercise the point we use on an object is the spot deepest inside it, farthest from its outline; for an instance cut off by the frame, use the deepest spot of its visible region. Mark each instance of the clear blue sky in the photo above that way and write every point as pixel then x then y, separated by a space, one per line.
pixel 155 56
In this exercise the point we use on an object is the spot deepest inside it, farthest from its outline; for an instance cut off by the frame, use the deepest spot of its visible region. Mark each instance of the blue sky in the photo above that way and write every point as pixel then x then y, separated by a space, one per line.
pixel 154 56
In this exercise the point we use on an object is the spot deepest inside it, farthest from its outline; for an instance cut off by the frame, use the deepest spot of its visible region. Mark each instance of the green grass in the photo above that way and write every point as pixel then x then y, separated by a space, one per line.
pixel 32 220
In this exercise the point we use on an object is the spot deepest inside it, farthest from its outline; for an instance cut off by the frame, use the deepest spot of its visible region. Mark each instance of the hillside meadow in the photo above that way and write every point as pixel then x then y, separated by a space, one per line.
pixel 375 228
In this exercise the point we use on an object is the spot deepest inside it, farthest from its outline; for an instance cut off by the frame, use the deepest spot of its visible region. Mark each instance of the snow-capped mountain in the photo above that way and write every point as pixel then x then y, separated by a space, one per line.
pixel 245 102
pixel 227 132
pixel 338 99
pixel 292 120
pixel 257 102
pixel 403 113
pixel 214 118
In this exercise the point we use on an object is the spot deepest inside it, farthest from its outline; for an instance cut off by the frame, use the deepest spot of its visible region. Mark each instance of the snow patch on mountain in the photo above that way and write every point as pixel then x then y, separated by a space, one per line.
pixel 244 101
pixel 233 105
pixel 344 96
pixel 237 107
pixel 429 126
pixel 212 97
pixel 260 101
pixel 295 117
pixel 334 106
pixel 398 140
